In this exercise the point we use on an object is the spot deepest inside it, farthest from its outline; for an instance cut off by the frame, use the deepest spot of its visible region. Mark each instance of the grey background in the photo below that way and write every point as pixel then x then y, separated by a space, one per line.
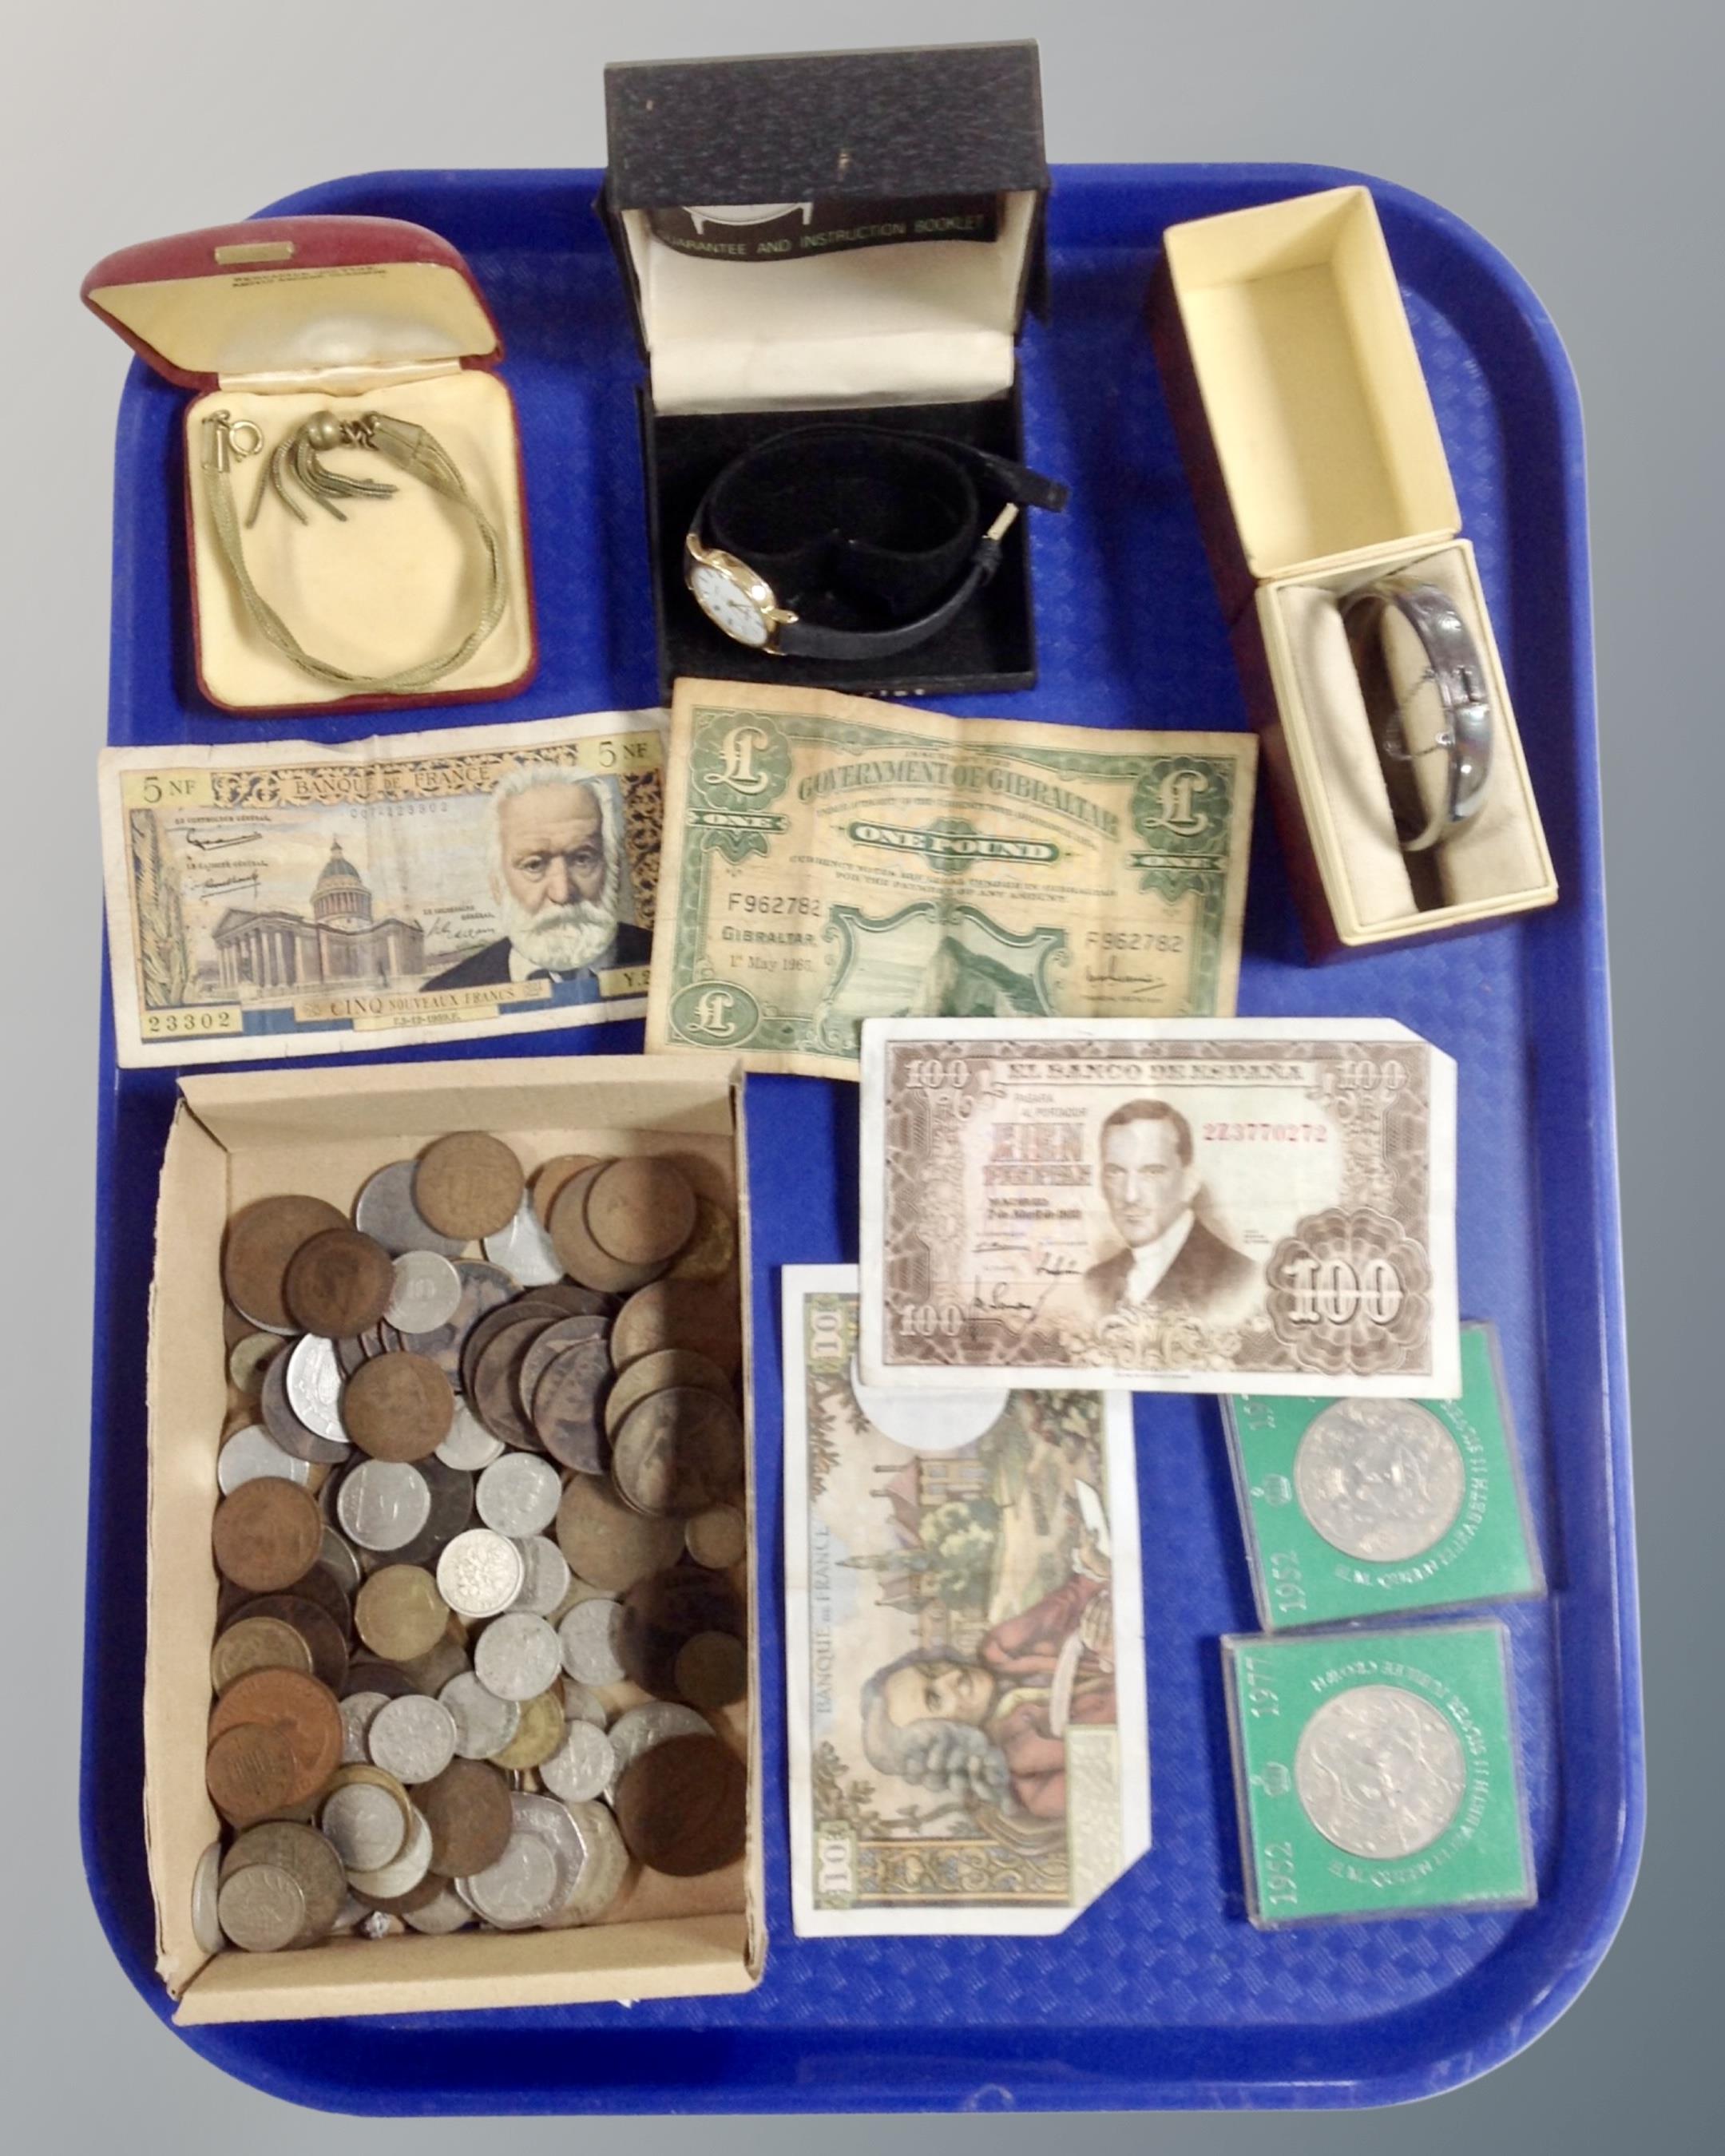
pixel 1583 138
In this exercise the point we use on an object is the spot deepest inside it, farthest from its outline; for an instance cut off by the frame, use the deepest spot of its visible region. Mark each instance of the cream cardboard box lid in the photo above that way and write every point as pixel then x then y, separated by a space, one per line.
pixel 242 1135
pixel 1317 404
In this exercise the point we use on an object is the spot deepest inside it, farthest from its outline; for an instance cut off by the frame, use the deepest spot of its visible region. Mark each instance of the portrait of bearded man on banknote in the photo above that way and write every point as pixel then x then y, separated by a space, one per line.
pixel 556 874
pixel 990 1730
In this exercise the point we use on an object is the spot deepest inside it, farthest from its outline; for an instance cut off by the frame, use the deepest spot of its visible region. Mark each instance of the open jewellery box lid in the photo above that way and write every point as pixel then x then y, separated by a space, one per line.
pixel 294 298
pixel 806 228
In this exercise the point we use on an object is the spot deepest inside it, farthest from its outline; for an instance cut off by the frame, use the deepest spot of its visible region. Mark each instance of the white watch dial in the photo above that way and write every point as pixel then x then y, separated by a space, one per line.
pixel 725 604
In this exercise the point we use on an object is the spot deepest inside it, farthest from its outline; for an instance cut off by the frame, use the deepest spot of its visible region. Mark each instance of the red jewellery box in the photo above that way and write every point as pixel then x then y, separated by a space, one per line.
pixel 333 358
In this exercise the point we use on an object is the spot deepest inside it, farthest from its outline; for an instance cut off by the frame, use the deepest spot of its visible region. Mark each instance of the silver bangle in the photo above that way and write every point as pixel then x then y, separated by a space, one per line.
pixel 1454 668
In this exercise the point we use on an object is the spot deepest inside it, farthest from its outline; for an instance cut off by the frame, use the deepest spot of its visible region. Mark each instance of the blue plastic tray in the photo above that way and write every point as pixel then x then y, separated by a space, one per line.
pixel 1162 1994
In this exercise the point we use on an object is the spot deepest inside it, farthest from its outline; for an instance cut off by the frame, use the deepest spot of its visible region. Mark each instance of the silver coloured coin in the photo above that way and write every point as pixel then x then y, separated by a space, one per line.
pixel 359 1710
pixel 545 1575
pixel 251 1453
pixel 604 1867
pixel 1380 1480
pixel 1379 1772
pixel 380 1924
pixel 519 1495
pixel 548 1817
pixel 206 1890
pixel 277 1413
pixel 517 1656
pixel 448 1912
pixel 262 1908
pixel 641 1727
pixel 314 1387
pixel 587 1639
pixel 582 1703
pixel 583 1765
pixel 484 1725
pixel 382 1504
pixel 413 1739
pixel 524 1249
pixel 385 1211
pixel 363 1824
pixel 337 1559
pixel 426 1290
pixel 521 1888
pixel 246 1361
pixel 479 1574
pixel 469 1446
pixel 408 1869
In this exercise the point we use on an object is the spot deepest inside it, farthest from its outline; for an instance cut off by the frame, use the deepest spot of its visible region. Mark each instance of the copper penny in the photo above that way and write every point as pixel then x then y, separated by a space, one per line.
pixel 493 1396
pixel 468 1184
pixel 718 1539
pixel 398 1406
pixel 319 1586
pixel 550 1178
pixel 683 1806
pixel 265 1533
pixel 250 1771
pixel 656 1373
pixel 578 1302
pixel 566 1406
pixel 641 1210
pixel 712 1669
pixel 680 1314
pixel 339 1283
pixel 399 1614
pixel 607 1545
pixel 710 1252
pixel 262 1238
pixel 326 1640
pixel 365 1674
pixel 256 1643
pixel 661 1615
pixel 566 1332
pixel 468 1810
pixel 583 1258
pixel 515 1312
pixel 538 1734
pixel 304 1710
pixel 678 1451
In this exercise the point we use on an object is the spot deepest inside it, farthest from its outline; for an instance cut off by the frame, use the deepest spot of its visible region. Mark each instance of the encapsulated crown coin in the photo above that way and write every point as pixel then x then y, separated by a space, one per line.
pixel 1378 1772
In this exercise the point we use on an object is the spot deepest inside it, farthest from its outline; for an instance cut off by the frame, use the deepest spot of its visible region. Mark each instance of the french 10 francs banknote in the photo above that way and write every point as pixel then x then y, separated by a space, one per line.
pixel 964 1628
pixel 829 859
pixel 292 898
pixel 1253 1205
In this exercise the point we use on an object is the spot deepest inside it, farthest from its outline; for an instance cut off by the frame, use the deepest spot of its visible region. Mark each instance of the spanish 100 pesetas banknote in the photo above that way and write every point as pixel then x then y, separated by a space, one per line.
pixel 964 1637
pixel 1253 1205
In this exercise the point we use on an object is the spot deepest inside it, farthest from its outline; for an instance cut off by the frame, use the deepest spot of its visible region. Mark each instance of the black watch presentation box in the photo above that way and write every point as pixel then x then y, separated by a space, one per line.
pixel 824 239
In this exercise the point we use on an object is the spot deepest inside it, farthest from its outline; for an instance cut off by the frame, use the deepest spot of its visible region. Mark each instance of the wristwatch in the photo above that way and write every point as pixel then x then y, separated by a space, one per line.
pixel 852 542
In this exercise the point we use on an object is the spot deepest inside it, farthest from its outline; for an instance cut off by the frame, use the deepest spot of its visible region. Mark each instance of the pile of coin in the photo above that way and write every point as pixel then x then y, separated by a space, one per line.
pixel 481 1539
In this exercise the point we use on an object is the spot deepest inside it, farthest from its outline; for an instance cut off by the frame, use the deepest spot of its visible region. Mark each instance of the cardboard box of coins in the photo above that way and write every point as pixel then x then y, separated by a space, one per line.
pixel 448 1689
pixel 1309 436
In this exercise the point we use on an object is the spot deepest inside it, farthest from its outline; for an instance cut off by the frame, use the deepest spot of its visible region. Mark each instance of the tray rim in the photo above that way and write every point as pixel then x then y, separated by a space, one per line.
pixel 962 2082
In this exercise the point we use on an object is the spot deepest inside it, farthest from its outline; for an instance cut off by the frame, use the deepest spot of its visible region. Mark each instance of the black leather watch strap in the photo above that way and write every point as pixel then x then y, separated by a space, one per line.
pixel 808 640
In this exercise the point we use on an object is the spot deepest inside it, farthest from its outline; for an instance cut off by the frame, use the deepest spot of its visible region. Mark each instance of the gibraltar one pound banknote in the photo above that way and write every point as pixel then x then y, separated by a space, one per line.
pixel 964 1636
pixel 1253 1205
pixel 829 858
pixel 291 898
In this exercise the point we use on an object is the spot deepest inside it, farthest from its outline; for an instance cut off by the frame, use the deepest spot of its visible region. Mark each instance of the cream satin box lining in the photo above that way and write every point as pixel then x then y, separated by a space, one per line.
pixel 245 1135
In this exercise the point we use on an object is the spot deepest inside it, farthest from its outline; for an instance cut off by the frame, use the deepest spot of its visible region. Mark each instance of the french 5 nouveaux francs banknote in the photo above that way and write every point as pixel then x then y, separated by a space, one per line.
pixel 965 1634
pixel 289 898
pixel 829 858
pixel 1254 1205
